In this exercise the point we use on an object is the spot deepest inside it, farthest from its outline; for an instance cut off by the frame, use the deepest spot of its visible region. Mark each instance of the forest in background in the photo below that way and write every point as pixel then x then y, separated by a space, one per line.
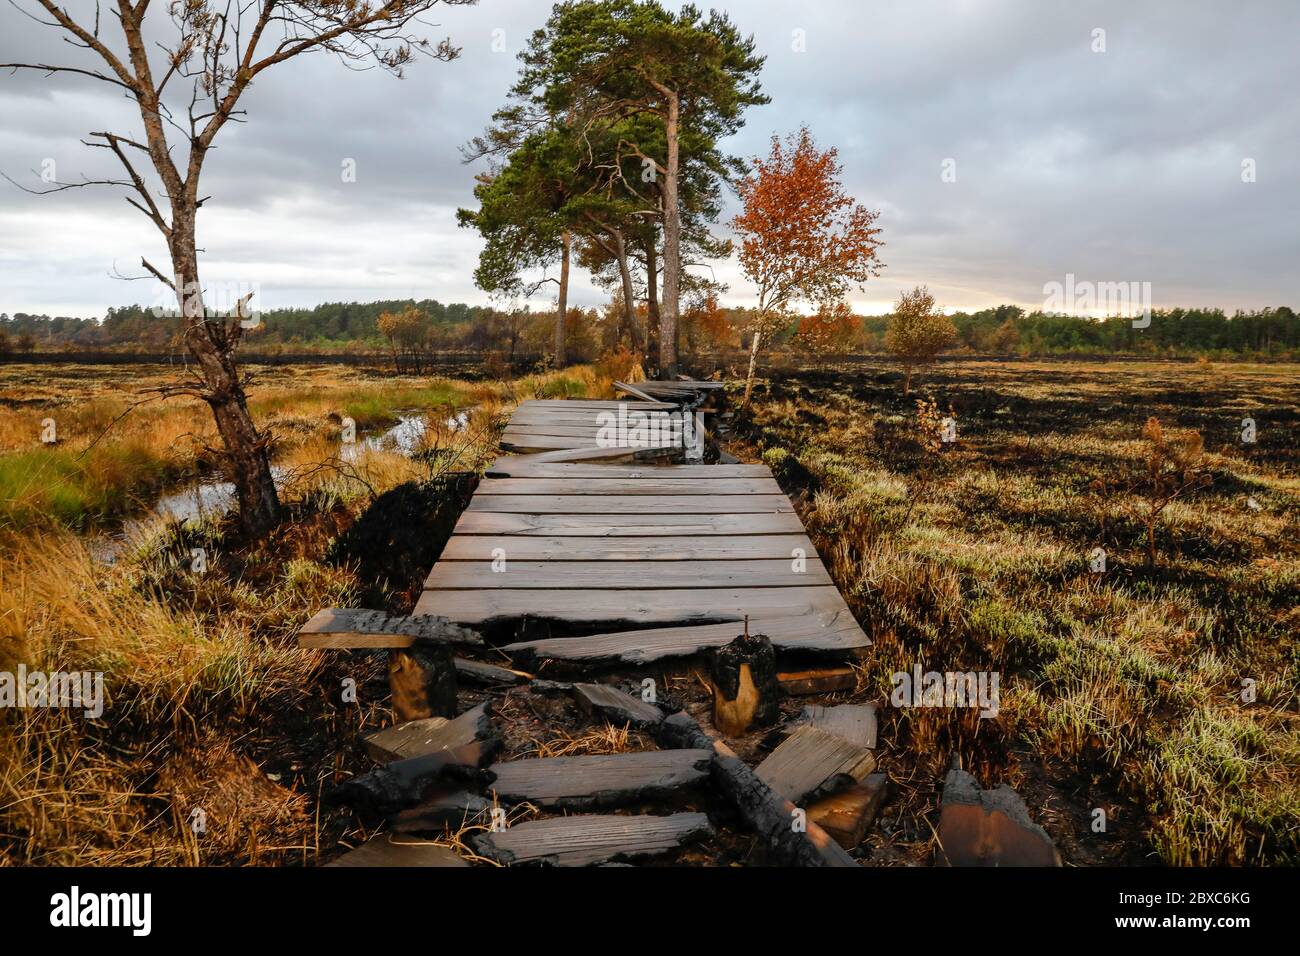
pixel 707 327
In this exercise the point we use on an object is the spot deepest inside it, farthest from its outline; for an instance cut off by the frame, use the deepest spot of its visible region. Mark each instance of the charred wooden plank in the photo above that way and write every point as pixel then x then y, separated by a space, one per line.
pixel 591 839
pixel 450 811
pixel 480 672
pixel 403 783
pixel 811 763
pixel 416 737
pixel 615 706
pixel 599 781
pixel 360 628
pixel 840 635
pixel 768 814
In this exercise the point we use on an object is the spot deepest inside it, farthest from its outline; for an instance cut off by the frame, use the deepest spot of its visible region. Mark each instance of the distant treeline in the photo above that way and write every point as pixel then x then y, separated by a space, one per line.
pixel 354 326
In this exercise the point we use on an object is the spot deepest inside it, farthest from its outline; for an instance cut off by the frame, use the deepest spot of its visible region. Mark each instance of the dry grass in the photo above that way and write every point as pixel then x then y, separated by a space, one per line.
pixel 1122 689
pixel 209 703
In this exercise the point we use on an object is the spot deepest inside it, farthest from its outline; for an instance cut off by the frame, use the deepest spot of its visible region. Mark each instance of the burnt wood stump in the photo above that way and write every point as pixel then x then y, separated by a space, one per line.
pixel 746 692
pixel 422 679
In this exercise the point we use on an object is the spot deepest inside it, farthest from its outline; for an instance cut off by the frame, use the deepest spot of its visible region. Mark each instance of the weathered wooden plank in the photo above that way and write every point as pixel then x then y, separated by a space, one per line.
pixel 589 839
pixel 648 484
pixel 677 505
pixel 624 526
pixel 473 547
pixel 416 737
pixel 819 680
pixel 615 706
pixel 585 430
pixel 519 466
pixel 625 575
pixel 360 628
pixel 804 634
pixel 634 391
pixel 588 403
pixel 684 605
pixel 527 442
pixel 855 723
pixel 811 763
pixel 484 673
pixel 571 455
pixel 593 782
pixel 388 850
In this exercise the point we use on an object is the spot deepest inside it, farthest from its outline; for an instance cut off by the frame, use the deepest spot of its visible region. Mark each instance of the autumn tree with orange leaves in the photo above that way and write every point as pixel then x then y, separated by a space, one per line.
pixel 803 239
pixel 830 329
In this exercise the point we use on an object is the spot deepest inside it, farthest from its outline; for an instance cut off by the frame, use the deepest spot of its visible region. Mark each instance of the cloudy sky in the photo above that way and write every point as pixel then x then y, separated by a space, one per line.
pixel 1122 165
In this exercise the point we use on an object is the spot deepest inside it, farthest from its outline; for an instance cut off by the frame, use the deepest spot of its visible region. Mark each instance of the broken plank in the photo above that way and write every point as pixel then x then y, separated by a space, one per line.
pixel 567 456
pixel 405 782
pixel 677 505
pixel 807 633
pixel 593 782
pixel 855 723
pixel 602 526
pixel 623 575
pixel 592 606
pixel 360 628
pixel 387 850
pixel 821 680
pixel 416 737
pixel 811 763
pixel 464 547
pixel 591 839
pixel 529 442
pixel 484 673
pixel 979 827
pixel 615 706
pixel 847 815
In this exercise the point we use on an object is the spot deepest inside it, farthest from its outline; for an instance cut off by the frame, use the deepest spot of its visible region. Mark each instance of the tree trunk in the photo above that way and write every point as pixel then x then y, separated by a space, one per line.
pixel 651 294
pixel 672 245
pixel 563 306
pixel 212 343
pixel 907 382
pixel 629 297
pixel 753 363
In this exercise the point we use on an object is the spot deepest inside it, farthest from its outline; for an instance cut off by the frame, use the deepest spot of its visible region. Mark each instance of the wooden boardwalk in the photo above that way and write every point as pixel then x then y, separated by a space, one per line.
pixel 580 547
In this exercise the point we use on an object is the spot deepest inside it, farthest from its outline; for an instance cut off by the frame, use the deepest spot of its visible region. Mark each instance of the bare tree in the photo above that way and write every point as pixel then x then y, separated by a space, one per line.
pixel 187 90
